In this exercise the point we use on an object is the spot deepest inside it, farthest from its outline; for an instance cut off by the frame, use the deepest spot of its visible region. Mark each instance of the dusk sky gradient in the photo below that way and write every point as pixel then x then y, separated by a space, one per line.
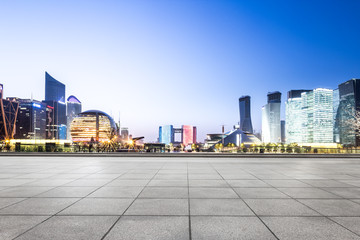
pixel 160 62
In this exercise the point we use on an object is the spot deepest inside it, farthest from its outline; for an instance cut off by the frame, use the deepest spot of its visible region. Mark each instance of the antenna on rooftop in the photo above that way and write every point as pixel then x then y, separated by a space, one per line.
pixel 223 134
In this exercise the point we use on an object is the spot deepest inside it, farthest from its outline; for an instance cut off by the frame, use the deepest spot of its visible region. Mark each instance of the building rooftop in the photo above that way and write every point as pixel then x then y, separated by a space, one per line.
pixel 73 99
pixel 245 96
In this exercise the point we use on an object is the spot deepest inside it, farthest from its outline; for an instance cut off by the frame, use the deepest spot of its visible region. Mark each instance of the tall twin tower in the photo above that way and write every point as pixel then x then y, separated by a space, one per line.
pixel 245 114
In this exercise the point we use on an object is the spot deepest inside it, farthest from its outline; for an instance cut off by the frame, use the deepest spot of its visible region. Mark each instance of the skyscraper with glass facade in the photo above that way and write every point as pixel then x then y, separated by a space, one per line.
pixel 166 134
pixel 349 104
pixel 245 114
pixel 293 115
pixel 54 90
pixel 271 126
pixel 188 135
pixel 31 120
pixel 317 116
pixel 336 102
pixel 55 98
pixel 283 131
pixel 73 108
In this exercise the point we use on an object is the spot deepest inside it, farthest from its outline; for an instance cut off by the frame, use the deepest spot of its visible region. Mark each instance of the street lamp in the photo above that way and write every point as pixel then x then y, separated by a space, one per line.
pixel 222 137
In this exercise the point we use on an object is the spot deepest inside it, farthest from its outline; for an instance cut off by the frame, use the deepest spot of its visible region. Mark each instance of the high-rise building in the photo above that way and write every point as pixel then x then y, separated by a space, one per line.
pixel 8 115
pixel 56 126
pixel 194 135
pixel 336 102
pixel 349 104
pixel 188 135
pixel 317 116
pixel 293 113
pixel 166 134
pixel 124 133
pixel 31 120
pixel 54 90
pixel 245 114
pixel 271 126
pixel 283 131
pixel 73 108
pixel 55 98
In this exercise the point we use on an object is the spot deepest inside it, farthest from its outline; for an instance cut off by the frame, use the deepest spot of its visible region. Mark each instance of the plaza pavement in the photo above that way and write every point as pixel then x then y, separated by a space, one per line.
pixel 179 198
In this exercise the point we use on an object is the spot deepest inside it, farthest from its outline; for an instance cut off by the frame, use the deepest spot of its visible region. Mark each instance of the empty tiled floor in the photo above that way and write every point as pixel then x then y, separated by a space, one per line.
pixel 179 198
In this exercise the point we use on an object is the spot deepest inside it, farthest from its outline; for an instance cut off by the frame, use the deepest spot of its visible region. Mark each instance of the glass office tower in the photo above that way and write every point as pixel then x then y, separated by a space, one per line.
pixel 317 115
pixel 349 104
pixel 336 102
pixel 271 126
pixel 31 120
pixel 245 114
pixel 73 108
pixel 166 134
pixel 188 135
pixel 293 115
pixel 54 90
pixel 283 131
pixel 55 98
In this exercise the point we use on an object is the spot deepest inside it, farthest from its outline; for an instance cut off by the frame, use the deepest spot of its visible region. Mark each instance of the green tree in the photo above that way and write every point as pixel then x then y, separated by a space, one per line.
pixel 219 146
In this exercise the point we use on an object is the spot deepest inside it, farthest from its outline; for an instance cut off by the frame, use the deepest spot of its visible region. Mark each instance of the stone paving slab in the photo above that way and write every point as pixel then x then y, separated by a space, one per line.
pixel 222 207
pixel 38 206
pixel 228 228
pixel 165 192
pixel 309 228
pixel 4 202
pixel 12 226
pixel 98 206
pixel 254 193
pixel 212 193
pixel 70 227
pixel 179 198
pixel 351 223
pixel 157 207
pixel 71 192
pixel 333 207
pixel 279 207
pixel 150 227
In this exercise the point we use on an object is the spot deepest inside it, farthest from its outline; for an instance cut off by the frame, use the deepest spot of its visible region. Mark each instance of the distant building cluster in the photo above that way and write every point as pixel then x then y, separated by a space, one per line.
pixel 47 119
pixel 318 116
pixel 53 119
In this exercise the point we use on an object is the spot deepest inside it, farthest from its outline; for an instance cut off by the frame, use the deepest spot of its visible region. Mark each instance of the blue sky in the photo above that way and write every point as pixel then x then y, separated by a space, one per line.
pixel 177 62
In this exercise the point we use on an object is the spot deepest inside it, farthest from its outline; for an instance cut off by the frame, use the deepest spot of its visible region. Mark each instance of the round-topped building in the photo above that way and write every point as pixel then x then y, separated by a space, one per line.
pixel 92 124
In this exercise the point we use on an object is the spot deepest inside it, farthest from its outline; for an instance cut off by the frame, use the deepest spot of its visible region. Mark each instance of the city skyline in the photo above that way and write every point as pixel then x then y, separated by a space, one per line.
pixel 156 67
